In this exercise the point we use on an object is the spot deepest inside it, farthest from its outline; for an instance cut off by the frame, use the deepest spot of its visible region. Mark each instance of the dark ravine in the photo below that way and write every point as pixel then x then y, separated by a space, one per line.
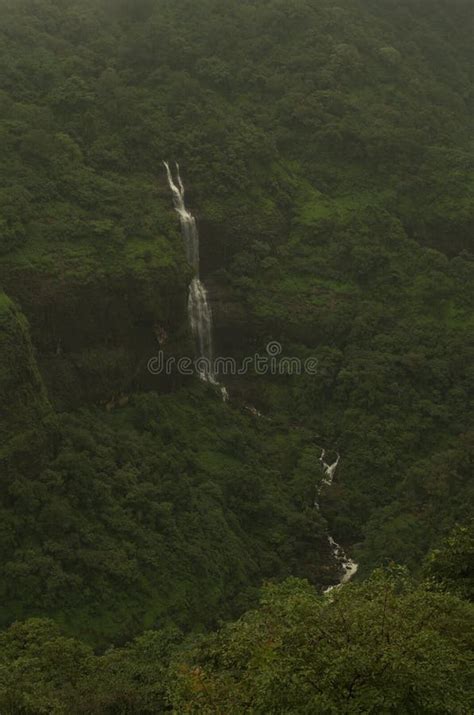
pixel 28 425
pixel 93 336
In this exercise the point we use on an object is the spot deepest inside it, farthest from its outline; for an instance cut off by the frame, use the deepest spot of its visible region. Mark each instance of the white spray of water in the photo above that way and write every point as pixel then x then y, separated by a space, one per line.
pixel 348 566
pixel 199 308
pixel 329 470
pixel 186 219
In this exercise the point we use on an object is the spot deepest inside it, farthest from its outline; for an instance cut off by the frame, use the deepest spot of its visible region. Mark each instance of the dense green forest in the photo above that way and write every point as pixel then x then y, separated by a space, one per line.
pixel 161 550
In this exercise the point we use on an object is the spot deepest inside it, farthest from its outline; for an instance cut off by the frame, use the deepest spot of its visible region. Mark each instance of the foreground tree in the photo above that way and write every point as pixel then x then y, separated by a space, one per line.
pixel 40 668
pixel 385 646
pixel 451 566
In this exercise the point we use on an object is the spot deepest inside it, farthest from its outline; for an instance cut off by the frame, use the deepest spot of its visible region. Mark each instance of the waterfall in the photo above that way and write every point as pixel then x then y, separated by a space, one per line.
pixel 348 566
pixel 186 219
pixel 199 309
pixel 200 319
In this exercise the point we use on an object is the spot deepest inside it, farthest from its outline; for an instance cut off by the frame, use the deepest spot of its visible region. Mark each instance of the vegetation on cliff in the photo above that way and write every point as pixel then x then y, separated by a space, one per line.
pixel 27 422
pixel 327 153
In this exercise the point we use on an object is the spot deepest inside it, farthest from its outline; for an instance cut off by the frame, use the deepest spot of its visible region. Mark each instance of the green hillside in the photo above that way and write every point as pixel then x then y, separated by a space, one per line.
pixel 326 153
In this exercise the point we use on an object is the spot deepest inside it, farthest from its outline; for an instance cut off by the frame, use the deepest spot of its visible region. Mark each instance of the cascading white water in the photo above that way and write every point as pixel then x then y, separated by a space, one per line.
pixel 200 319
pixel 348 566
pixel 186 219
pixel 199 309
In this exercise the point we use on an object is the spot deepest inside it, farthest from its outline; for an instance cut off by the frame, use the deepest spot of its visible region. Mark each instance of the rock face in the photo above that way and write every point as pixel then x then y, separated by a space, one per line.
pixel 96 329
pixel 27 425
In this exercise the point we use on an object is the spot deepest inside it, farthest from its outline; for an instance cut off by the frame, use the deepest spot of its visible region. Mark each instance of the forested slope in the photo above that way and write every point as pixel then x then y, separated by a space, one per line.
pixel 326 150
pixel 169 510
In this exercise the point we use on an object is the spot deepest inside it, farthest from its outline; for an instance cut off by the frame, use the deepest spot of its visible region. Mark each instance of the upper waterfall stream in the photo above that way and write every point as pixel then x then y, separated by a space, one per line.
pixel 199 308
